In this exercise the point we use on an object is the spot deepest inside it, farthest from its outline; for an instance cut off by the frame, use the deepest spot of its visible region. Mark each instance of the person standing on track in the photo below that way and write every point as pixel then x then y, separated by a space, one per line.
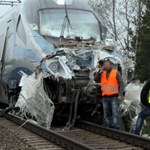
pixel 112 88
pixel 145 100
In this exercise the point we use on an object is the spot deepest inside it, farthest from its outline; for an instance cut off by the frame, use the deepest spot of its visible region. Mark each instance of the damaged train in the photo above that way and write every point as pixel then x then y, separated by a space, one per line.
pixel 66 40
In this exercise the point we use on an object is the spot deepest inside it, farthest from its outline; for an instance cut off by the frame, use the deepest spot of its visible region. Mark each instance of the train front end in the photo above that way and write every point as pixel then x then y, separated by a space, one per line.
pixel 77 39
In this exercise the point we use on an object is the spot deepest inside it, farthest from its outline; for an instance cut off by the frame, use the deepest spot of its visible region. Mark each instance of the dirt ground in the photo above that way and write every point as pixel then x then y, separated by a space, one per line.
pixel 10 141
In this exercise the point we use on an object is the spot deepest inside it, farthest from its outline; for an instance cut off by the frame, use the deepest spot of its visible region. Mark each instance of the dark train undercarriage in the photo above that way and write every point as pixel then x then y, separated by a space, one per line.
pixel 75 99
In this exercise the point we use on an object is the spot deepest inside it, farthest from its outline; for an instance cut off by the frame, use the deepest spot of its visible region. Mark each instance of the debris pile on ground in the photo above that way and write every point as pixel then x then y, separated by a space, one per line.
pixel 33 101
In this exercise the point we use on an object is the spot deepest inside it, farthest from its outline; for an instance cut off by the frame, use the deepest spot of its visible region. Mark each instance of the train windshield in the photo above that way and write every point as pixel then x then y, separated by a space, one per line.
pixel 77 23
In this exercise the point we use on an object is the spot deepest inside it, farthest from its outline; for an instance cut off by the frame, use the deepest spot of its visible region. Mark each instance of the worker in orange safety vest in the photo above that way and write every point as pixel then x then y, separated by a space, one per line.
pixel 112 88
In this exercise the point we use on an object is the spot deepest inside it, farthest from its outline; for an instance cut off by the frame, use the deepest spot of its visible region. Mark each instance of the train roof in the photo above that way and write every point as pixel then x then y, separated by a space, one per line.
pixel 75 4
pixel 31 7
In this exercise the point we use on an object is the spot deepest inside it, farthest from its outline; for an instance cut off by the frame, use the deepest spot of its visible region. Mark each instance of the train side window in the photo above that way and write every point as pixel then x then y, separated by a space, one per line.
pixel 21 31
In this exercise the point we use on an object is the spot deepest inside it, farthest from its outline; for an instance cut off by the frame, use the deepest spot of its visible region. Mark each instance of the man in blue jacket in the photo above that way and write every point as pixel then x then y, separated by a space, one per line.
pixel 145 100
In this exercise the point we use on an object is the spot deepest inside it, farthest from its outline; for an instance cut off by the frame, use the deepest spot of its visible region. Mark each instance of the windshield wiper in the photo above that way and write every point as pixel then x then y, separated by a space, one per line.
pixel 65 23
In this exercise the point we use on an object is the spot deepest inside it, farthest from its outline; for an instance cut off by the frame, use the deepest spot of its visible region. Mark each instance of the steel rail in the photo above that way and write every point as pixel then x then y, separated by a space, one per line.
pixel 50 135
pixel 70 144
pixel 116 134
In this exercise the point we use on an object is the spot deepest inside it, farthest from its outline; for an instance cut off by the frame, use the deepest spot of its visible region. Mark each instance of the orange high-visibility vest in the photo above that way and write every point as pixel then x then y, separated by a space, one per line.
pixel 109 86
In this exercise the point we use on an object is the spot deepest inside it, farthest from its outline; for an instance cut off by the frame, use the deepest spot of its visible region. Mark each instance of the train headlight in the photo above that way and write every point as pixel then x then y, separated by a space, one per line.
pixel 54 67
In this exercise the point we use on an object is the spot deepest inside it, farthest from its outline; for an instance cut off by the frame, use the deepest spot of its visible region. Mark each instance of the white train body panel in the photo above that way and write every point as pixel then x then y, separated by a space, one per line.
pixel 23 46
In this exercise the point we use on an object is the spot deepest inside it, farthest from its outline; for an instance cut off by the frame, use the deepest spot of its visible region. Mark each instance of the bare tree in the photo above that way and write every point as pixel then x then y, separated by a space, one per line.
pixel 139 16
pixel 114 18
pixel 120 18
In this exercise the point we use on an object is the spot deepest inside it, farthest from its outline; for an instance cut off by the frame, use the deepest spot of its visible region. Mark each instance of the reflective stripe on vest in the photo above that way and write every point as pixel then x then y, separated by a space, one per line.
pixel 149 97
pixel 109 86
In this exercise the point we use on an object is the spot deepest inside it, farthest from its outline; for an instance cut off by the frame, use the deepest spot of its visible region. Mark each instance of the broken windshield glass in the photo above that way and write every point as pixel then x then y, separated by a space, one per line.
pixel 83 24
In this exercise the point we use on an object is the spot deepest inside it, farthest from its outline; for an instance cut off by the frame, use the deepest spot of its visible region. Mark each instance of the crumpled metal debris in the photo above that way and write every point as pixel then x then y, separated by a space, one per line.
pixel 131 106
pixel 33 101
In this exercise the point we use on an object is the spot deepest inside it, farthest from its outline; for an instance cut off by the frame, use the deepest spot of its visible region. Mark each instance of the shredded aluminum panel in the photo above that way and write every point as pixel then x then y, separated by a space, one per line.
pixel 33 100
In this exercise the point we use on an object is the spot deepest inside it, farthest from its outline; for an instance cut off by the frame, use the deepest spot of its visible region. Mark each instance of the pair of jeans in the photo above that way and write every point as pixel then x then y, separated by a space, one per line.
pixel 142 115
pixel 111 112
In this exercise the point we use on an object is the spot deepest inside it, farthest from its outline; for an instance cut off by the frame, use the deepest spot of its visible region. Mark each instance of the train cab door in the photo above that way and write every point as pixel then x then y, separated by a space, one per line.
pixel 2 46
pixel 3 87
pixel 7 57
pixel 3 53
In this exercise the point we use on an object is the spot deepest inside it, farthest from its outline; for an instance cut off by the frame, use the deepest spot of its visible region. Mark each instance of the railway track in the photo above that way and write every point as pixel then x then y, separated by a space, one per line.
pixel 86 136
pixel 28 140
